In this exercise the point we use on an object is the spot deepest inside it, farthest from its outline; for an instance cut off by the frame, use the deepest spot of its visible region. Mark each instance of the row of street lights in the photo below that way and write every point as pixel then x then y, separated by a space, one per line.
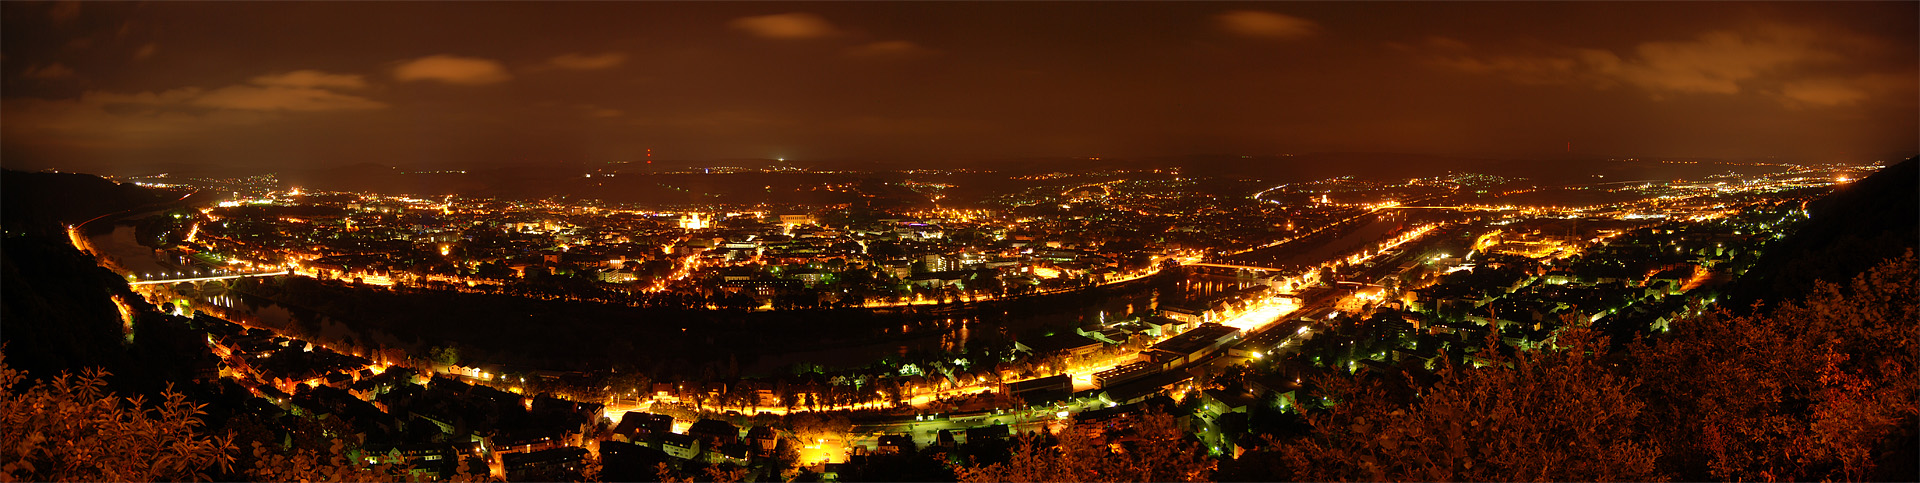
pixel 196 272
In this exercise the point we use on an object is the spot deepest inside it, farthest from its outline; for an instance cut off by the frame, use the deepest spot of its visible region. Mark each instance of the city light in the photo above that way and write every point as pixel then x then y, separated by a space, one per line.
pixel 876 294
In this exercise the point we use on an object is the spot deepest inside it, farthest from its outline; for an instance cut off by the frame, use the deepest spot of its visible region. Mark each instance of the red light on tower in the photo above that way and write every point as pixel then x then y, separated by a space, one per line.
pixel 649 155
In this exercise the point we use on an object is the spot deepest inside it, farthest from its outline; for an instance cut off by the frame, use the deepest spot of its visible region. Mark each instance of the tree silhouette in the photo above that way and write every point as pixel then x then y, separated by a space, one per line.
pixel 1147 446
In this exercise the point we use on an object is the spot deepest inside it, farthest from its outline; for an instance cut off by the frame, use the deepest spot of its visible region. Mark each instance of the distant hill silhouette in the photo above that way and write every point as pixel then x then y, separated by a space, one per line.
pixel 43 203
pixel 56 303
pixel 1857 227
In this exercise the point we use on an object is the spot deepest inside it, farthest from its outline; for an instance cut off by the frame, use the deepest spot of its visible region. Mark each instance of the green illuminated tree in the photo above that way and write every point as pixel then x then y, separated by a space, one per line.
pixel 448 355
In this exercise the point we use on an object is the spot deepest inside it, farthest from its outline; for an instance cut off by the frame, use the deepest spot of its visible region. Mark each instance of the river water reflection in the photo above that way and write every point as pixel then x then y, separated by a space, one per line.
pixel 926 333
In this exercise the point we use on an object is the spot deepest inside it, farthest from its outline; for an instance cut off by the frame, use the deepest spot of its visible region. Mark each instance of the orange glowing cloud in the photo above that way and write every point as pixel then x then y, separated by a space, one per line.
pixel 786 26
pixel 1771 60
pixel 588 62
pixel 452 69
pixel 1261 24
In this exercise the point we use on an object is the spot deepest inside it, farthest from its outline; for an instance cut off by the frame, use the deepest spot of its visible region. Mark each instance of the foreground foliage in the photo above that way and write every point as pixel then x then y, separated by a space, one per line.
pixel 70 428
pixel 1816 389
pixel 1556 414
pixel 1149 446
pixel 1820 389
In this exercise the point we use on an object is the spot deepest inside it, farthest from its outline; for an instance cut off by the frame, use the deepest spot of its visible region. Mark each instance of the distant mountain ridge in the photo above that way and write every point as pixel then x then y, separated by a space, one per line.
pixel 42 203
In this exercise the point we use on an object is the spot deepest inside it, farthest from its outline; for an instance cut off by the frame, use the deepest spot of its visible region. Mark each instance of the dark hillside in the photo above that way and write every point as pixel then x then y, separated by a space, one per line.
pixel 41 203
pixel 57 309
pixel 1857 227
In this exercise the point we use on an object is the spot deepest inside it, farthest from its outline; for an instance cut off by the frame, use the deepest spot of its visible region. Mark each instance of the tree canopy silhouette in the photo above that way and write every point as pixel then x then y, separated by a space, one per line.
pixel 1145 446
pixel 1554 414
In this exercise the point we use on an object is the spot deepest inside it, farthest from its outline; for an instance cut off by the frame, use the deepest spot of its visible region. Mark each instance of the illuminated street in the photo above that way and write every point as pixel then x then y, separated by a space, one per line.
pixel 927 241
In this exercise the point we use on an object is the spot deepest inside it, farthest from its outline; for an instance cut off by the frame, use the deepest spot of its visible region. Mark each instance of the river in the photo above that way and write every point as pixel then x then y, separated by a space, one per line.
pixel 1382 224
pixel 125 251
pixel 1318 250
pixel 120 246
pixel 927 333
pixel 951 333
pixel 1129 302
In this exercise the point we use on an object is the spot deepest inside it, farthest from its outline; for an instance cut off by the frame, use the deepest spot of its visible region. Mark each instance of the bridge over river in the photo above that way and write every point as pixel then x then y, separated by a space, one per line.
pixel 198 276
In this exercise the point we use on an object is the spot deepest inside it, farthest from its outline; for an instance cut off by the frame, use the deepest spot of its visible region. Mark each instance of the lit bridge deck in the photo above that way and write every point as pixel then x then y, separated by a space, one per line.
pixel 205 278
pixel 1242 267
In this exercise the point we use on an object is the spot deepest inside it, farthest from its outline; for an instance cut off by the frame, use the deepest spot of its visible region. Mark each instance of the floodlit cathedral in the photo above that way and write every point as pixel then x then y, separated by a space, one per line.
pixel 693 221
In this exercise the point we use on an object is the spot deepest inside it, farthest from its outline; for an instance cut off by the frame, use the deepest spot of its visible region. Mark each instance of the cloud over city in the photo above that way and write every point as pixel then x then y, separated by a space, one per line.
pixel 304 90
pixel 576 61
pixel 1262 24
pixel 505 82
pixel 452 69
pixel 108 119
pixel 54 70
pixel 786 26
pixel 1786 63
pixel 312 78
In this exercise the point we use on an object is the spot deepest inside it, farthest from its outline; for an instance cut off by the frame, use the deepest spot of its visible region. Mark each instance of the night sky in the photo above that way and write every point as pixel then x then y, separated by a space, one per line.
pixel 121 87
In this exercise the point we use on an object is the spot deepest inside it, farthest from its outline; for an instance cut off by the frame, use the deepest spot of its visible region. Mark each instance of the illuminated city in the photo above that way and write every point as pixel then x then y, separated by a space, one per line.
pixel 811 244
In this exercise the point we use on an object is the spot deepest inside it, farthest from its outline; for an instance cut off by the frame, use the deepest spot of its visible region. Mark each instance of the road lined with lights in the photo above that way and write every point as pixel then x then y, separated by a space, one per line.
pixel 1267 313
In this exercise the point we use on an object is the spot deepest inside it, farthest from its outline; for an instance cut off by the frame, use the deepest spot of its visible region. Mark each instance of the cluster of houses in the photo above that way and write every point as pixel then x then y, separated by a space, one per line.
pixel 347 239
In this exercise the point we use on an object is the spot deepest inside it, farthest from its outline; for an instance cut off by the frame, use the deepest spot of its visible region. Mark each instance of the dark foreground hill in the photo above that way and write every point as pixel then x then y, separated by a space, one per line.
pixel 57 305
pixel 1857 227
